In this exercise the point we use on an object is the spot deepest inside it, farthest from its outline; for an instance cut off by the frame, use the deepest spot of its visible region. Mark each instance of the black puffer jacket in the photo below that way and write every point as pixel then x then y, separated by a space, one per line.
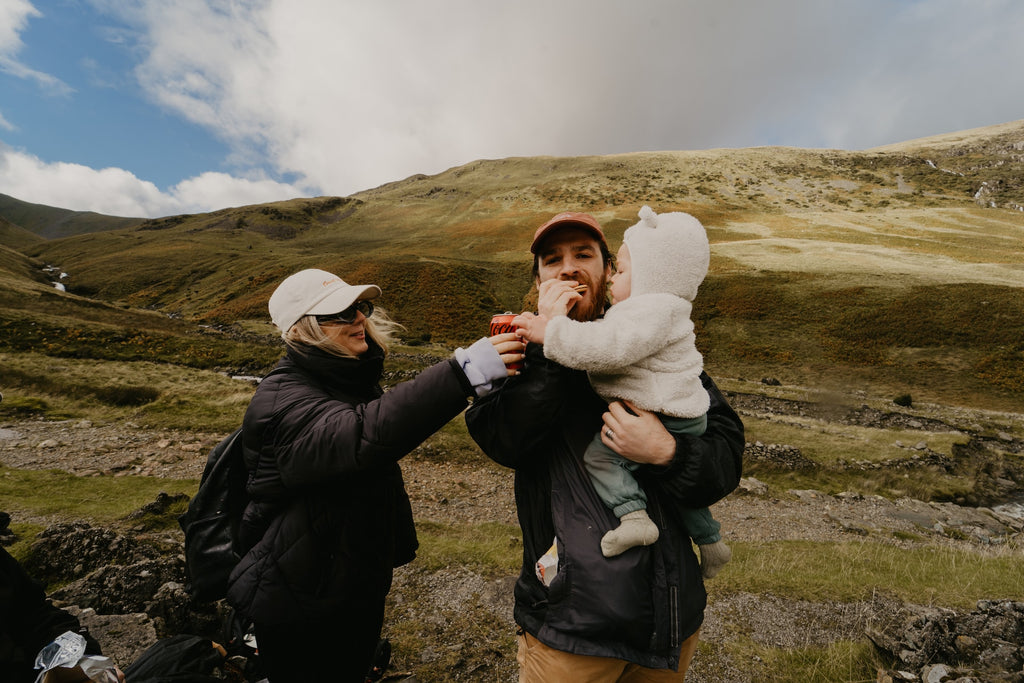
pixel 638 606
pixel 330 517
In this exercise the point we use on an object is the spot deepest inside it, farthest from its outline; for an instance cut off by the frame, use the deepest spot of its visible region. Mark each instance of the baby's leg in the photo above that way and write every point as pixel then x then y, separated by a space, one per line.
pixel 705 532
pixel 613 479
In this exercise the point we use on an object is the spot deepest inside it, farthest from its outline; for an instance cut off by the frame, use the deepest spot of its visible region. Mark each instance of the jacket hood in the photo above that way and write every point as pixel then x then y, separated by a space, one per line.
pixel 669 254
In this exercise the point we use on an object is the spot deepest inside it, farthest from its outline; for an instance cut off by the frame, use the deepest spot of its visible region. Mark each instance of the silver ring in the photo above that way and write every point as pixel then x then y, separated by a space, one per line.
pixel 609 433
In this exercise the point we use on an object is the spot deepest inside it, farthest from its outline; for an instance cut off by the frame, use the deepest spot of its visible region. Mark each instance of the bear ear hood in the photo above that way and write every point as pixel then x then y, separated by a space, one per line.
pixel 669 253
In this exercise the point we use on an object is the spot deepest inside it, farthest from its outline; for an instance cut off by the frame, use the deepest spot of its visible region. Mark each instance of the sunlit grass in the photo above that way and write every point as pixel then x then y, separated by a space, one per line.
pixel 851 571
pixel 839 662
pixel 150 394
pixel 489 548
pixel 98 500
pixel 827 443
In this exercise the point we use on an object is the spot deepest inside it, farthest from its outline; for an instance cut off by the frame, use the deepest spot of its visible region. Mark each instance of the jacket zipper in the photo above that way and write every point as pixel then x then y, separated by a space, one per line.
pixel 673 591
pixel 673 616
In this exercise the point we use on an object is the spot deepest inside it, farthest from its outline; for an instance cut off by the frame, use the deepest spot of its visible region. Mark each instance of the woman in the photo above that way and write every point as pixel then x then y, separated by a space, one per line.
pixel 329 517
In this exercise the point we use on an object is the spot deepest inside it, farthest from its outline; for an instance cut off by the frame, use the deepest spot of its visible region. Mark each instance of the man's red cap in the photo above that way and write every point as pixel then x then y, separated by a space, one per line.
pixel 575 218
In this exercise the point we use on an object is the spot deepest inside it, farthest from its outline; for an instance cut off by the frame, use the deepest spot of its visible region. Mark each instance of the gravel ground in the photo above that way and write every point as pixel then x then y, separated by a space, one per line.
pixel 461 492
pixel 466 493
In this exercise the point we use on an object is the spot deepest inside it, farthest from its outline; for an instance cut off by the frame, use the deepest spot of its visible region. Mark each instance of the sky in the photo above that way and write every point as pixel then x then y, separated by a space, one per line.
pixel 149 108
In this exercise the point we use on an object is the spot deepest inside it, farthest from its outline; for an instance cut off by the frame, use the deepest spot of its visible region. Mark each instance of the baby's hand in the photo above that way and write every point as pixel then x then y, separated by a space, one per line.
pixel 530 327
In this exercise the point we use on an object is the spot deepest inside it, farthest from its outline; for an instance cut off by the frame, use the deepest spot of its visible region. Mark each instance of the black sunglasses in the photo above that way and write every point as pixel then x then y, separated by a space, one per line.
pixel 348 316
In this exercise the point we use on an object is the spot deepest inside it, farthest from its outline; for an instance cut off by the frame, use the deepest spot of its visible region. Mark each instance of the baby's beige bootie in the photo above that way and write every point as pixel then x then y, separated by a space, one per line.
pixel 635 528
pixel 713 557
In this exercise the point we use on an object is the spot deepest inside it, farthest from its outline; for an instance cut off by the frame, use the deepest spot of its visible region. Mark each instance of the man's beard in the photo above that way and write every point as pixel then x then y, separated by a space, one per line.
pixel 594 302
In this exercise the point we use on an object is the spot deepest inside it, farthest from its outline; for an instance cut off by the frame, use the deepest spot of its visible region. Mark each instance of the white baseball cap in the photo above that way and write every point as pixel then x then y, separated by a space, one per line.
pixel 314 292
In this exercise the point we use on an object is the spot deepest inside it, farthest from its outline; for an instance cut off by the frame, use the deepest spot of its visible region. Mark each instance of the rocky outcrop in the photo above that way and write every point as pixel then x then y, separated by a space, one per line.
pixel 121 585
pixel 936 645
pixel 777 456
pixel 69 551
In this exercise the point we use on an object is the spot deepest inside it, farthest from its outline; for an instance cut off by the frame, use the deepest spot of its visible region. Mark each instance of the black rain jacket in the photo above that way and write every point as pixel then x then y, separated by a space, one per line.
pixel 330 517
pixel 638 606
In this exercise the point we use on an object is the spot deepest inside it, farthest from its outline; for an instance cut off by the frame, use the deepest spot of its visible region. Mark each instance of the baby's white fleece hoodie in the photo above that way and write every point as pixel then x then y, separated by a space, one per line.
pixel 643 349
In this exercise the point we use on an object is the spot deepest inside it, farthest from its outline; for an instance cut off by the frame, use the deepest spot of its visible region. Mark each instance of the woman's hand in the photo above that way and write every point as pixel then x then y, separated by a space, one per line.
pixel 637 434
pixel 557 297
pixel 511 350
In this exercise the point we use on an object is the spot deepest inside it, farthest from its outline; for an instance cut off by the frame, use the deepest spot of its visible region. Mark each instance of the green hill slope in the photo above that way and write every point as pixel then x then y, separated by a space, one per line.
pixel 15 236
pixel 892 267
pixel 48 221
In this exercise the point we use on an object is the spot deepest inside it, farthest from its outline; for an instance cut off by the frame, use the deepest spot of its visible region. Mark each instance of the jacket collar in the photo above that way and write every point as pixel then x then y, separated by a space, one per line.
pixel 337 372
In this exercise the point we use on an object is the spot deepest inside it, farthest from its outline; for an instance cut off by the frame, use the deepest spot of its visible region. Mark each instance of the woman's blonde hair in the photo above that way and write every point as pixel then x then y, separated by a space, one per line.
pixel 307 332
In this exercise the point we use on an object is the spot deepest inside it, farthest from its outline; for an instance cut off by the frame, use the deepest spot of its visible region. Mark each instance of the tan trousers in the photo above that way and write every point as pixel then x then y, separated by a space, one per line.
pixel 539 663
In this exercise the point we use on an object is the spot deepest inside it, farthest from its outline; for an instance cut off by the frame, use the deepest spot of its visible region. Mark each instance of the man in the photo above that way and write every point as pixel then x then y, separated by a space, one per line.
pixel 629 618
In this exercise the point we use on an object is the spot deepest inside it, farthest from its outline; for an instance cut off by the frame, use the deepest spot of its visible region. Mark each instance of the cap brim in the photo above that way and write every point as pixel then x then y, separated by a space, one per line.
pixel 574 220
pixel 339 300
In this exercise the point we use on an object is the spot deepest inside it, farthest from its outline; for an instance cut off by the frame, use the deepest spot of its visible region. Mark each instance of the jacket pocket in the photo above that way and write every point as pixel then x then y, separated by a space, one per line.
pixel 593 596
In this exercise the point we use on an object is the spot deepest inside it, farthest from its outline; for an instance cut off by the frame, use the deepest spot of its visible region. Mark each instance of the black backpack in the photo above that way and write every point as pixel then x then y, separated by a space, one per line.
pixel 212 519
pixel 179 659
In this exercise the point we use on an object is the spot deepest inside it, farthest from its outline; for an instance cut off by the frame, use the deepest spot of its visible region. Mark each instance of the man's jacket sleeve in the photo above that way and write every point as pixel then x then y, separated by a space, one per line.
pixel 706 468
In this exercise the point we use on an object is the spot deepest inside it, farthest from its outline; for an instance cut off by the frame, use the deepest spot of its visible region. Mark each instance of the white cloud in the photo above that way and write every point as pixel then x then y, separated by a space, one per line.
pixel 14 17
pixel 218 190
pixel 116 192
pixel 346 95
pixel 343 95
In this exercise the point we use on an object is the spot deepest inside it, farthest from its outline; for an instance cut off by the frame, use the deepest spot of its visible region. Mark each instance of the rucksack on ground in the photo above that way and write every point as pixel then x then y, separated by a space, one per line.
pixel 211 522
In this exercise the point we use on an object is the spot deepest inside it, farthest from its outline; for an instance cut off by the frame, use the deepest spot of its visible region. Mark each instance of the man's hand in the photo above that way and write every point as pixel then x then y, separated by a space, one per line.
pixel 557 297
pixel 637 434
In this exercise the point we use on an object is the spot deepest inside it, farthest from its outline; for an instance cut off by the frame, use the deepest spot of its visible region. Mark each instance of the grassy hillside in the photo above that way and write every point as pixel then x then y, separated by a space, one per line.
pixel 883 268
pixel 15 236
pixel 49 221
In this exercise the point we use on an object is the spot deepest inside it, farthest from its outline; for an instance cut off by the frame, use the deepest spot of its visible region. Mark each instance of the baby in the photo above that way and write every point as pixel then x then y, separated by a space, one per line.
pixel 643 352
